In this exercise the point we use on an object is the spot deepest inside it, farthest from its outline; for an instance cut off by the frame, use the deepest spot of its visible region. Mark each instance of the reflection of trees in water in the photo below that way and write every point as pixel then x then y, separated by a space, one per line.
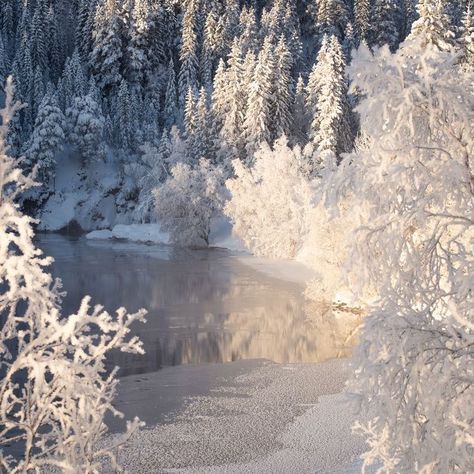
pixel 203 307
pixel 285 333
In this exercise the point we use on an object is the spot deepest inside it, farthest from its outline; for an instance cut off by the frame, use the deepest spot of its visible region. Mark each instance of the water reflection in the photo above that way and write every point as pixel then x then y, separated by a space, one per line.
pixel 204 306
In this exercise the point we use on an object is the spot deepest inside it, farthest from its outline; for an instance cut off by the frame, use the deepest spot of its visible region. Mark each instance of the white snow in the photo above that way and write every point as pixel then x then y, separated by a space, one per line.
pixel 90 201
pixel 151 233
pixel 275 418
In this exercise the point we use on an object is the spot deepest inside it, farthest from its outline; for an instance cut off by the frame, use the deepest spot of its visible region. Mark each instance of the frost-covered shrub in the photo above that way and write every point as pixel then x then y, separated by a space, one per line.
pixel 270 201
pixel 54 387
pixel 188 201
pixel 413 186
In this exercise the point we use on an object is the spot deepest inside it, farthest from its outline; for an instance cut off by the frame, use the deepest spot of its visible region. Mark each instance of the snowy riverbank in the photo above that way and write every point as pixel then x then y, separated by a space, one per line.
pixel 253 417
pixel 221 237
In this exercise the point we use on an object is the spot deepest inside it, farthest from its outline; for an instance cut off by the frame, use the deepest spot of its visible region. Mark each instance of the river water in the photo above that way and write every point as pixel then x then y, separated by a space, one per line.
pixel 204 306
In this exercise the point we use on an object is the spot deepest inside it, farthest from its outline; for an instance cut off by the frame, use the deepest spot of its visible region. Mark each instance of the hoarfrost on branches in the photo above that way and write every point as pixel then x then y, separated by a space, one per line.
pixel 414 187
pixel 188 201
pixel 270 201
pixel 55 388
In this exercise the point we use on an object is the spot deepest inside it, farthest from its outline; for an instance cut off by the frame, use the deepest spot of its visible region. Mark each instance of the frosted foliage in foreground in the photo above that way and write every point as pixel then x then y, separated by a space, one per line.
pixel 415 187
pixel 188 201
pixel 54 389
pixel 271 200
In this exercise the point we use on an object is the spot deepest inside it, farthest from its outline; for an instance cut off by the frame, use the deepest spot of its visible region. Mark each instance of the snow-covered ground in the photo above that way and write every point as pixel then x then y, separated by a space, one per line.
pixel 221 235
pixel 272 418
pixel 95 201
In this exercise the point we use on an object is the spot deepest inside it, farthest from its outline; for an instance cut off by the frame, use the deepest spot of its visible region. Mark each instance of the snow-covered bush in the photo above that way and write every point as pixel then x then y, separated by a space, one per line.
pixel 54 386
pixel 270 201
pixel 188 201
pixel 414 189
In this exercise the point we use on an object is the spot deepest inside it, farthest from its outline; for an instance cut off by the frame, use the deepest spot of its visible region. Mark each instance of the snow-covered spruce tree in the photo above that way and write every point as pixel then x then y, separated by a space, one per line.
pixel 300 117
pixel 270 201
pixel 139 45
pixel 188 201
pixel 37 36
pixel 332 17
pixel 414 190
pixel 234 99
pixel 330 126
pixel 171 98
pixel 47 138
pixel 212 46
pixel 85 124
pixel 188 55
pixel 467 36
pixel 204 143
pixel 54 388
pixel 386 23
pixel 258 118
pixel 362 14
pixel 433 26
pixel 107 48
pixel 125 123
pixel 73 81
pixel 283 90
pixel 4 66
pixel 249 36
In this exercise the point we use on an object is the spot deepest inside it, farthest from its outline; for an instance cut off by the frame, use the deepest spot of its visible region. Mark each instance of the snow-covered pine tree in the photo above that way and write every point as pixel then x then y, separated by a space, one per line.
pixel 212 46
pixel 362 15
pixel 467 36
pixel 73 81
pixel 349 42
pixel 55 55
pixel 188 54
pixel 330 126
pixel 249 36
pixel 258 118
pixel 4 66
pixel 283 91
pixel 86 127
pixel 300 115
pixel 124 118
pixel 107 47
pixel 38 90
pixel 190 118
pixel 433 26
pixel 23 74
pixel 231 23
pixel 83 36
pixel 233 114
pixel 332 17
pixel 47 138
pixel 204 135
pixel 219 93
pixel 139 44
pixel 171 97
pixel 386 23
pixel 38 40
